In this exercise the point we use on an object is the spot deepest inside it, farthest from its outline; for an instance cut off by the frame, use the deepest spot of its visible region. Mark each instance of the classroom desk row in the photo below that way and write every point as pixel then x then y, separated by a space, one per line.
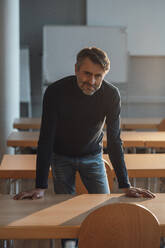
pixel 61 216
pixel 126 123
pixel 147 139
pixel 22 166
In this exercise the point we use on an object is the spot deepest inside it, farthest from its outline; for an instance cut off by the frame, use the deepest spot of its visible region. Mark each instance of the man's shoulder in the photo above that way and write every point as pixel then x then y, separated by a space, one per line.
pixel 60 83
pixel 109 88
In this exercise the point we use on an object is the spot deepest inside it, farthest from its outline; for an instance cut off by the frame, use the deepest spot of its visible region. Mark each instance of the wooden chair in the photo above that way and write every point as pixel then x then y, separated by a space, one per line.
pixel 119 225
pixel 80 188
pixel 161 126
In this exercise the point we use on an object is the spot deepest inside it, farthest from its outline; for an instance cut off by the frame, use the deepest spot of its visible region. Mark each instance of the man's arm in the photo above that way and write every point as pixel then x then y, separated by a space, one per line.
pixel 44 150
pixel 115 149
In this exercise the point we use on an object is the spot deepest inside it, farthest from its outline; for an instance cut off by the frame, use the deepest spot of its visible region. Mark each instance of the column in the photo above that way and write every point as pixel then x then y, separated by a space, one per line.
pixel 9 69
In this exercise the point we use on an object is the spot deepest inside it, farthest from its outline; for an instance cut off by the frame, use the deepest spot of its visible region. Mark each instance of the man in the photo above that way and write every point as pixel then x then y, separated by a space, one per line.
pixel 74 111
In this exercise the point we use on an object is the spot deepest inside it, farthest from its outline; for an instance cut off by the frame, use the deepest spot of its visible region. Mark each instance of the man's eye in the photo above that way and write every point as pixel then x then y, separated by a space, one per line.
pixel 98 76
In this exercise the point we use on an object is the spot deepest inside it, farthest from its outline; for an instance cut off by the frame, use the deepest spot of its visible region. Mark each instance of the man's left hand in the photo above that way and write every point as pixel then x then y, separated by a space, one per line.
pixel 138 192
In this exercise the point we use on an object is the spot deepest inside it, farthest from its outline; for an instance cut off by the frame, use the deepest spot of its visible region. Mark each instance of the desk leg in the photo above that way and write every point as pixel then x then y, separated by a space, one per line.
pixel 162 243
pixel 14 186
pixel 153 150
pixel 11 243
pixel 17 184
pixel 149 183
pixel 15 150
pixel 133 149
pixel 125 149
pixel 148 150
pixel 155 181
pixel 4 243
pixel 52 243
pixel 134 181
pixel 11 186
pixel 155 184
pixel 7 243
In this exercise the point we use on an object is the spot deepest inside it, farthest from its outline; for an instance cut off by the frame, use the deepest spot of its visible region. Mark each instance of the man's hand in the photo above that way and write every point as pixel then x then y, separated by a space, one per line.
pixel 31 194
pixel 138 192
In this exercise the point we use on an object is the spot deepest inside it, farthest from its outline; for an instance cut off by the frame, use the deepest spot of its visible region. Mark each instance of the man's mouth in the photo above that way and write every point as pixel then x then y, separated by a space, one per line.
pixel 89 86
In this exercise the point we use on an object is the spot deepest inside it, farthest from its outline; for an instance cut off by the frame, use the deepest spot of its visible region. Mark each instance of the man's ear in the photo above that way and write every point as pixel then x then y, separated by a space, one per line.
pixel 76 68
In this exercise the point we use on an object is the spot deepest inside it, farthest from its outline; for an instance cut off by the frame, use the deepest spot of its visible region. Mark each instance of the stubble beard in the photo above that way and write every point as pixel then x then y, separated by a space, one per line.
pixel 87 90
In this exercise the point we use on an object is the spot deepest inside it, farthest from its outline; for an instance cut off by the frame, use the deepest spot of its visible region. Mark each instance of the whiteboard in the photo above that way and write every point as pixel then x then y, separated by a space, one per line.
pixel 62 43
pixel 25 83
pixel 25 89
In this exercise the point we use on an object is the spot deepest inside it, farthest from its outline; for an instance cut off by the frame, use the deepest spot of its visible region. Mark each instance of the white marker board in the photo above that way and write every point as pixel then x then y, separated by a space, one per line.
pixel 62 43
pixel 25 87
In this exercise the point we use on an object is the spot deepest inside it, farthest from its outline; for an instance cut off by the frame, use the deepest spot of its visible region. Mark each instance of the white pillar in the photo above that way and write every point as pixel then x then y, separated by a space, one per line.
pixel 9 68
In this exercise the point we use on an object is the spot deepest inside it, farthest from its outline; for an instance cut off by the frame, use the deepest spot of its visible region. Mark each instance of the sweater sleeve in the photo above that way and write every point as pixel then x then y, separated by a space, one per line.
pixel 114 143
pixel 46 140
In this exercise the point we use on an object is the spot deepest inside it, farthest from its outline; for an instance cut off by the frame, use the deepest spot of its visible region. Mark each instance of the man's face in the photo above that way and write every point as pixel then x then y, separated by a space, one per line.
pixel 89 76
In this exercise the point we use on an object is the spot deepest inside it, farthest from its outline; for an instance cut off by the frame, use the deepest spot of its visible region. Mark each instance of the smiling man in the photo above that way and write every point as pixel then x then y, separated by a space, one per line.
pixel 74 111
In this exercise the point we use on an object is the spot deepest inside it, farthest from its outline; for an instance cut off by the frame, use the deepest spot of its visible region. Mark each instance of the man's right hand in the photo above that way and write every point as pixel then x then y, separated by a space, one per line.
pixel 31 194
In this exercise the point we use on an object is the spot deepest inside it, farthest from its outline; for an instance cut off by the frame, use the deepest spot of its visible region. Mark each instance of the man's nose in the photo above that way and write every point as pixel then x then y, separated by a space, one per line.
pixel 92 80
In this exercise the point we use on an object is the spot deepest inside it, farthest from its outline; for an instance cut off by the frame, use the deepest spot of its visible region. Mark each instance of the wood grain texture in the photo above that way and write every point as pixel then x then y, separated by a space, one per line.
pixel 140 123
pixel 61 216
pixel 27 123
pixel 120 225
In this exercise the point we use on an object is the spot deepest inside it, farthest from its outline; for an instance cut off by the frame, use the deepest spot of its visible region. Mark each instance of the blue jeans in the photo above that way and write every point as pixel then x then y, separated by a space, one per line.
pixel 92 172
pixel 91 169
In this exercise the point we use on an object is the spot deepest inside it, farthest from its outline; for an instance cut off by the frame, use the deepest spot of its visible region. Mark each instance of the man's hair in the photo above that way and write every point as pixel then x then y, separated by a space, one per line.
pixel 96 55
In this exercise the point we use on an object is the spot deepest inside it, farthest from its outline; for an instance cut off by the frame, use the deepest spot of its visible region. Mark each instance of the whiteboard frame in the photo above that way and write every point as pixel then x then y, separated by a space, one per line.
pixel 62 43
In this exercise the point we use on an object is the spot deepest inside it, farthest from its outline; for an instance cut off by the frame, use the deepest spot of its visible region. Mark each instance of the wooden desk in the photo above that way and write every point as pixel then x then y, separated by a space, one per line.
pixel 130 139
pixel 126 123
pixel 140 123
pixel 61 216
pixel 21 166
pixel 138 165
pixel 155 139
pixel 27 123
pixel 18 166
pixel 30 139
pixel 143 165
pixel 23 139
pixel 147 139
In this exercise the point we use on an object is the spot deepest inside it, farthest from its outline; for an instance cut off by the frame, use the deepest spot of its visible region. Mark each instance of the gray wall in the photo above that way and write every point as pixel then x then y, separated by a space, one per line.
pixel 33 15
pixel 146 86
pixel 144 92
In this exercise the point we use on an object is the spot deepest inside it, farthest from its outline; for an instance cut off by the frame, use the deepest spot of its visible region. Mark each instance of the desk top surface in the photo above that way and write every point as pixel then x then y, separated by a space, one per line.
pixel 133 161
pixel 140 123
pixel 23 139
pixel 18 166
pixel 129 138
pixel 61 216
pixel 27 123
pixel 138 165
pixel 126 123
pixel 143 165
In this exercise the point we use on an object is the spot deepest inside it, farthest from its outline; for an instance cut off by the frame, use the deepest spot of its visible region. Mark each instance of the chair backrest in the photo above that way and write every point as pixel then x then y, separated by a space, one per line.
pixel 119 225
pixel 80 188
pixel 161 126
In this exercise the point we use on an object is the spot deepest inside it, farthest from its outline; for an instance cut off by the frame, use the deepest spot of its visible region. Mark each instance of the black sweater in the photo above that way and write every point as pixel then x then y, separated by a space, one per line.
pixel 72 125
